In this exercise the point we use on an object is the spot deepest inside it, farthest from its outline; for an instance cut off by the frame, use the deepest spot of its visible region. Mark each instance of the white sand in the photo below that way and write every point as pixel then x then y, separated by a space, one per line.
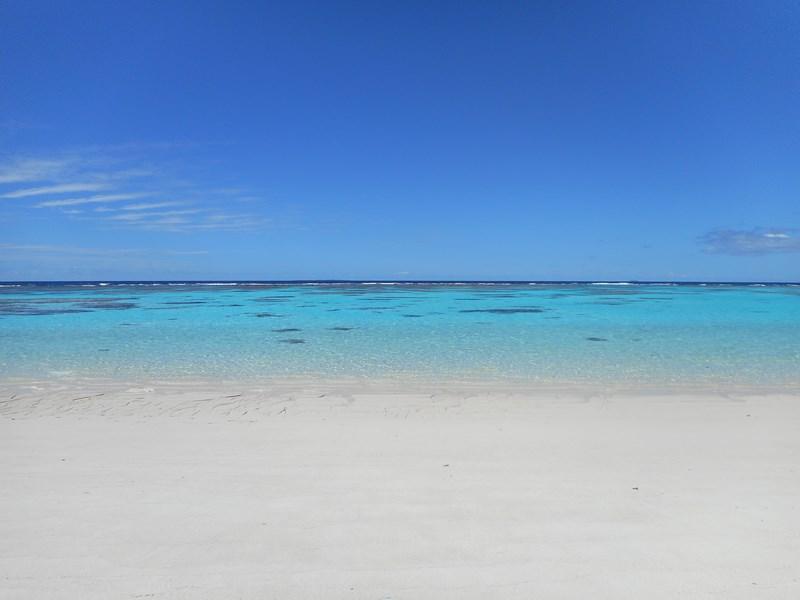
pixel 179 492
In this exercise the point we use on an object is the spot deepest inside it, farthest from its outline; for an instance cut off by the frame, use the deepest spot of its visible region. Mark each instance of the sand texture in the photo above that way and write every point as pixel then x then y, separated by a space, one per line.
pixel 216 492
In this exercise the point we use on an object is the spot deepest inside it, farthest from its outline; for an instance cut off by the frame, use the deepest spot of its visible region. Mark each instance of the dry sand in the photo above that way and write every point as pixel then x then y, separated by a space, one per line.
pixel 212 492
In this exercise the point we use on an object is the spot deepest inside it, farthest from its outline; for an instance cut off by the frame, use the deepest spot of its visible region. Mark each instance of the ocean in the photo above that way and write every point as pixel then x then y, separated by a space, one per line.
pixel 582 333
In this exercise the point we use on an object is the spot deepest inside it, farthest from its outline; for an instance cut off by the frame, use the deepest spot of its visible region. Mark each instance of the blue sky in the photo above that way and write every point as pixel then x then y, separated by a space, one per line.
pixel 400 140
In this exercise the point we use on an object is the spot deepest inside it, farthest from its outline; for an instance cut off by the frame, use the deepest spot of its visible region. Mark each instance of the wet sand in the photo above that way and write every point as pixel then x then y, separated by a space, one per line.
pixel 111 490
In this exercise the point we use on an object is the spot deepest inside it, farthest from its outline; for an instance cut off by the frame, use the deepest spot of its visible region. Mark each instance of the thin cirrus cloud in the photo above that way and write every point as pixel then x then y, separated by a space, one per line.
pixel 91 200
pixel 63 188
pixel 757 241
pixel 95 184
pixel 27 170
pixel 190 221
pixel 138 216
pixel 151 205
pixel 78 250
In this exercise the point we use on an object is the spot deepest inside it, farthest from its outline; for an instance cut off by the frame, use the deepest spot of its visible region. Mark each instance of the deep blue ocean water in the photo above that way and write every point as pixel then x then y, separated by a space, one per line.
pixel 545 332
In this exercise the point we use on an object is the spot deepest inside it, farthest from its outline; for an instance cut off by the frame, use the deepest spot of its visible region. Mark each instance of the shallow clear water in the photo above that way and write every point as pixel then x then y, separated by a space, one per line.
pixel 581 333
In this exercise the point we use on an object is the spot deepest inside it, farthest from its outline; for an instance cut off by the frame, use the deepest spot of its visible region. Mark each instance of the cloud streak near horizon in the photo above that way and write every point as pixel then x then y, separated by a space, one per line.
pixel 748 242
pixel 80 250
pixel 63 181
pixel 55 189
pixel 91 200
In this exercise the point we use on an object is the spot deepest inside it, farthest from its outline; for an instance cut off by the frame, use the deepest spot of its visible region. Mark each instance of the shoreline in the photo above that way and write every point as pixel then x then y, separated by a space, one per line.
pixel 257 399
pixel 399 385
pixel 254 400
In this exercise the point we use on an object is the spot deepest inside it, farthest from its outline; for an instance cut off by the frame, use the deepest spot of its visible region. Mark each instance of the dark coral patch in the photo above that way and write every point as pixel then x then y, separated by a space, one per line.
pixel 496 295
pixel 40 312
pixel 107 305
pixel 503 311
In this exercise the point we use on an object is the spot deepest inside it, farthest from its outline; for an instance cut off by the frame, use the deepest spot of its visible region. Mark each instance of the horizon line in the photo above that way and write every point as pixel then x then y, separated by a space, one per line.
pixel 392 281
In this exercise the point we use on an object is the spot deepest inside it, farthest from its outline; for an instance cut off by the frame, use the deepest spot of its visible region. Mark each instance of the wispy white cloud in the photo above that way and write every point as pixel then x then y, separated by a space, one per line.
pixel 95 184
pixel 51 249
pixel 151 205
pixel 187 221
pixel 229 223
pixel 92 199
pixel 79 250
pixel 169 222
pixel 138 216
pixel 24 170
pixel 751 241
pixel 63 188
pixel 93 166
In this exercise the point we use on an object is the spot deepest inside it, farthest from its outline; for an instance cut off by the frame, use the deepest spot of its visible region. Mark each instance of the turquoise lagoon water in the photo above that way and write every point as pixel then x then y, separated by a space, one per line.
pixel 550 333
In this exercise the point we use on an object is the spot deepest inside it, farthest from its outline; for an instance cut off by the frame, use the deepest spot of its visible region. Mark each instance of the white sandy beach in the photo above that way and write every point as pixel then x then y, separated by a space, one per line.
pixel 213 492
